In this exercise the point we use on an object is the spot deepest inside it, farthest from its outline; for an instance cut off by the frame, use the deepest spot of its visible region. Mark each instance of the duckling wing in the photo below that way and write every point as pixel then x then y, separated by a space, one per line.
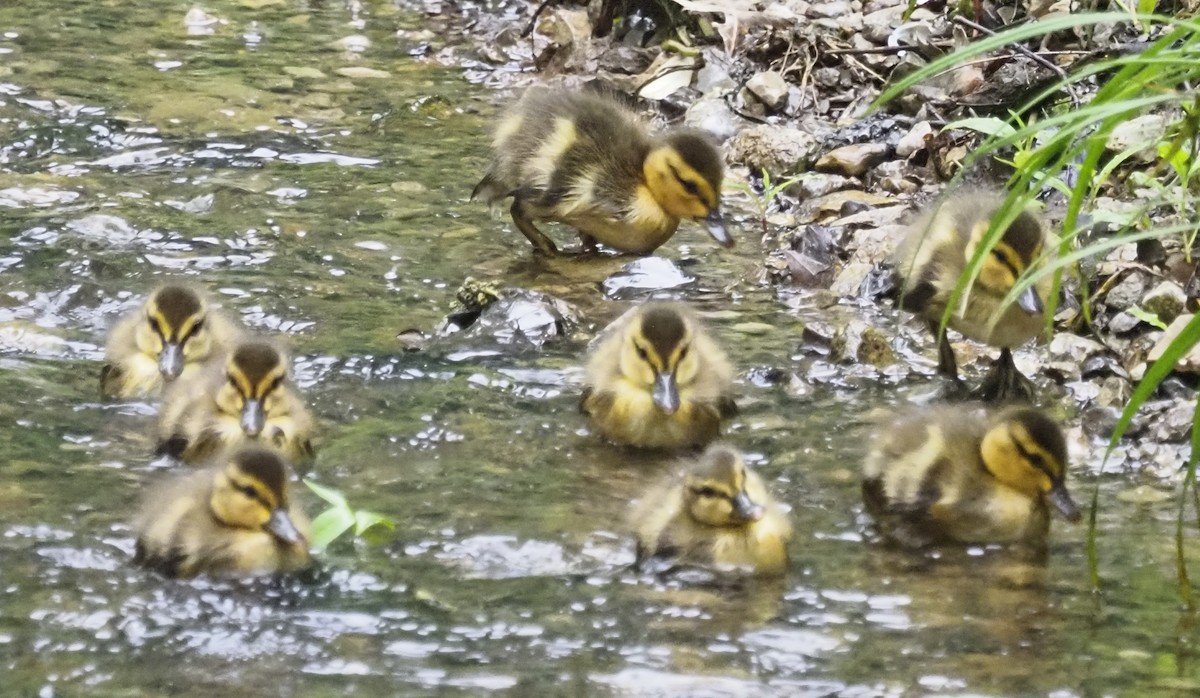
pixel 111 377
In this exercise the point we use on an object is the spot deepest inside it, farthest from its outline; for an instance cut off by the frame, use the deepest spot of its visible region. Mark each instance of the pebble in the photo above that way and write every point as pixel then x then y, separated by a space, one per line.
pixel 914 140
pixel 713 115
pixel 853 160
pixel 1165 300
pixel 770 88
pixel 813 184
pixel 778 149
pixel 1141 132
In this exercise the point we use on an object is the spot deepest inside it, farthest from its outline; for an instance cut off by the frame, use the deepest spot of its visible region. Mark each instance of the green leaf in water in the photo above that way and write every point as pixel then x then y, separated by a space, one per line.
pixel 364 520
pixel 330 495
pixel 987 125
pixel 330 525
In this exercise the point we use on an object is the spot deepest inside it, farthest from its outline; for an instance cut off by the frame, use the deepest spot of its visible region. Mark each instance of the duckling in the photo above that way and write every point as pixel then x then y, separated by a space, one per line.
pixel 234 519
pixel 969 476
pixel 581 159
pixel 656 380
pixel 170 336
pixel 245 399
pixel 717 513
pixel 933 256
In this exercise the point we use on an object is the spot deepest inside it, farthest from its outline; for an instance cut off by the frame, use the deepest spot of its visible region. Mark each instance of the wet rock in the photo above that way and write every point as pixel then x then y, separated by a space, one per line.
pixel 850 279
pixel 362 73
pixel 914 140
pixel 779 150
pixel 1114 392
pixel 878 25
pixel 1073 348
pixel 894 176
pixel 770 88
pixel 813 184
pixel 303 72
pixel 1122 323
pixel 874 348
pixel 1165 300
pixel 1189 362
pixel 518 317
pixel 646 274
pixel 713 115
pixel 829 10
pixel 1128 292
pixel 799 268
pixel 1142 132
pixel 853 160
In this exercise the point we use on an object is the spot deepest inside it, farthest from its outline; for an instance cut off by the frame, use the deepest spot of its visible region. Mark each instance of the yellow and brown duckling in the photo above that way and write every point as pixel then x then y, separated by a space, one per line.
pixel 246 399
pixel 716 514
pixel 171 335
pixel 657 380
pixel 235 519
pixel 933 256
pixel 967 475
pixel 581 159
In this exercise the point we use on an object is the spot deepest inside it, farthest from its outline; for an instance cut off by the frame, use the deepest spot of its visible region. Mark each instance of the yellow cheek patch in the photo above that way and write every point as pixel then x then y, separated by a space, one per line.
pixel 506 130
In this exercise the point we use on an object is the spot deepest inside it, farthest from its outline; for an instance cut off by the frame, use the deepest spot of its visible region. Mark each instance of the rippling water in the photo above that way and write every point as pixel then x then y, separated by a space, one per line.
pixel 310 163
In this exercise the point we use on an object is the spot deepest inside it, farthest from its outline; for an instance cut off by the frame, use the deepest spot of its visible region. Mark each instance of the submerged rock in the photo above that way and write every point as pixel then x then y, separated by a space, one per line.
pixel 1165 300
pixel 504 316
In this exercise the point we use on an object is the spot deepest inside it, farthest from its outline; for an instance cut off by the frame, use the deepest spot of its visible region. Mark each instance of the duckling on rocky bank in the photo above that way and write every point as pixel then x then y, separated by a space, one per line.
pixel 171 335
pixel 934 254
pixel 716 514
pixel 964 474
pixel 235 518
pixel 581 159
pixel 246 399
pixel 656 380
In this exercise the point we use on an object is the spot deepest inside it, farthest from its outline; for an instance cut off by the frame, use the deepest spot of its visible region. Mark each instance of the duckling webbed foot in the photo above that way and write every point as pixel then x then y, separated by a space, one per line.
pixel 1004 383
pixel 541 243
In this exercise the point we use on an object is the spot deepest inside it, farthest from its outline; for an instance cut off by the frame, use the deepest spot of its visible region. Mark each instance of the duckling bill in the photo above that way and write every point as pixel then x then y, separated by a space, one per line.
pixel 247 399
pixel 581 159
pixel 716 514
pixel 657 380
pixel 967 475
pixel 934 255
pixel 235 518
pixel 172 334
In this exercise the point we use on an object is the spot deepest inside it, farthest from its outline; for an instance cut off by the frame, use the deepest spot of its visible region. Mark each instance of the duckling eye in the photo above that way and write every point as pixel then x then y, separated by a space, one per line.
pixel 706 492
pixel 690 187
pixel 683 353
pixel 196 328
pixel 642 354
pixel 249 491
pixel 999 256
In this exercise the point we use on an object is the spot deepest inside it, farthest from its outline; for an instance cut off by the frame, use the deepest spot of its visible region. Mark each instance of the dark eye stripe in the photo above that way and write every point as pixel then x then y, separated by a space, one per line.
pixel 688 185
pixel 1036 459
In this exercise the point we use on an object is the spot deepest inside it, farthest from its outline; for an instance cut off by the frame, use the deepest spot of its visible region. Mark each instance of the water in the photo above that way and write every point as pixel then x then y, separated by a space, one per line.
pixel 331 207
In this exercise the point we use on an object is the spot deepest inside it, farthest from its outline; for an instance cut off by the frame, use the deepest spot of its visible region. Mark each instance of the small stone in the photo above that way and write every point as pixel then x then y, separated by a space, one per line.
pixel 914 140
pixel 303 72
pixel 1122 322
pixel 1142 133
pixel 777 149
pixel 878 25
pixel 1128 292
pixel 853 160
pixel 1165 300
pixel 770 88
pixel 358 71
pixel 835 9
pixel 713 115
pixel 1189 362
pixel 753 328
pixel 813 184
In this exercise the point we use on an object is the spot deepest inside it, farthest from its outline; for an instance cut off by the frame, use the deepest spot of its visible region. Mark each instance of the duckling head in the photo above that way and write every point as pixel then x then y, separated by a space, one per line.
pixel 174 329
pixel 254 376
pixel 250 492
pixel 1014 252
pixel 684 174
pixel 657 353
pixel 1025 450
pixel 715 490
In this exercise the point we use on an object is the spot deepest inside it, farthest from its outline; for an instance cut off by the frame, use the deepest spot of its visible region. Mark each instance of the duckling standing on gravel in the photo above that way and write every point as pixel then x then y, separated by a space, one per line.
pixel 934 254
pixel 581 159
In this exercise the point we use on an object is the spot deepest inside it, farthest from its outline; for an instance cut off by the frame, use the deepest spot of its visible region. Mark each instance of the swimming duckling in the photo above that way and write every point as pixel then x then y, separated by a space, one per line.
pixel 581 159
pixel 965 475
pixel 171 335
pixel 719 514
pixel 233 519
pixel 245 399
pixel 657 380
pixel 933 256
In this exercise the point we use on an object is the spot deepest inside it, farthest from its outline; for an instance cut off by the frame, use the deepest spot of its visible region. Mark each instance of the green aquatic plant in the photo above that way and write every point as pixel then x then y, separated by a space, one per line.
pixel 340 517
pixel 1070 143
